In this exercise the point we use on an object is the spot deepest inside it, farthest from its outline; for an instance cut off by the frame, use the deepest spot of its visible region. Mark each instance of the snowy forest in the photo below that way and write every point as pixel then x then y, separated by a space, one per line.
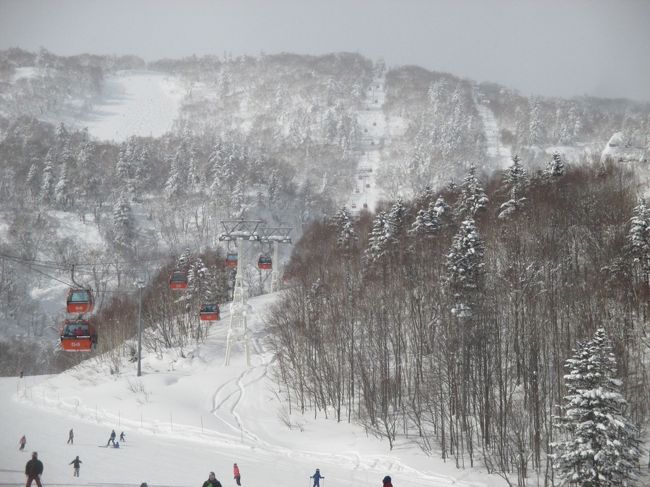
pixel 449 318
pixel 503 244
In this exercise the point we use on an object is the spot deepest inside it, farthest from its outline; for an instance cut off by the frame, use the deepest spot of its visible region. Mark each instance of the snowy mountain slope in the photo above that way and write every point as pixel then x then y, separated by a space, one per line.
pixel 140 103
pixel 187 416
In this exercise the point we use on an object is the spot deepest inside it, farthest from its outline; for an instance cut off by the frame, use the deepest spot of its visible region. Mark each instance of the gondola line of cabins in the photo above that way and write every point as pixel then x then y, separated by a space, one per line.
pixel 79 335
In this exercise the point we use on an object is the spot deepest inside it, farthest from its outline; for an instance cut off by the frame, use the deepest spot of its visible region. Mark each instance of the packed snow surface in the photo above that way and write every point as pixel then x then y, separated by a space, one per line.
pixel 140 103
pixel 188 415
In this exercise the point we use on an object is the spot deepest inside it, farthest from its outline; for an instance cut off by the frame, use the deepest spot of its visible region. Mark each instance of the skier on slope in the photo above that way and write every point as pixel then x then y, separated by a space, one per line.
pixel 317 476
pixel 76 463
pixel 236 474
pixel 122 437
pixel 212 481
pixel 33 470
pixel 111 439
pixel 22 442
pixel 71 437
pixel 387 482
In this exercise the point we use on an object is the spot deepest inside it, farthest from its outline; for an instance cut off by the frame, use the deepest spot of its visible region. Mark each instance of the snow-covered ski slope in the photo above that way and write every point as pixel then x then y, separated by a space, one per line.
pixel 188 416
pixel 140 103
pixel 374 128
pixel 498 153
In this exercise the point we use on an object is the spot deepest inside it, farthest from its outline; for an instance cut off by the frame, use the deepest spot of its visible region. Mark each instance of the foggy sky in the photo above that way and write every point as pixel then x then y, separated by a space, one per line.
pixel 546 47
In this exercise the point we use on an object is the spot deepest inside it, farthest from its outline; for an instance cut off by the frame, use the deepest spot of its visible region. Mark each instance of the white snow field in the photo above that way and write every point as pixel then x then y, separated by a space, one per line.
pixel 496 151
pixel 140 103
pixel 188 416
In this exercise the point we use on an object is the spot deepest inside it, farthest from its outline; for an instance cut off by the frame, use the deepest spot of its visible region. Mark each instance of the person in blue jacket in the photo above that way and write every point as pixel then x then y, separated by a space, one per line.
pixel 317 476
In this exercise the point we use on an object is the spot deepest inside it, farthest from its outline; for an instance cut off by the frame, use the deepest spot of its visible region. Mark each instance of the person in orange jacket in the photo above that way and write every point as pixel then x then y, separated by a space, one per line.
pixel 236 474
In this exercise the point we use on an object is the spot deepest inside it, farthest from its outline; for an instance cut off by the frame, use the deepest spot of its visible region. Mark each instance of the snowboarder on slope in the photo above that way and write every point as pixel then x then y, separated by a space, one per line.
pixel 236 474
pixel 317 476
pixel 212 481
pixel 71 437
pixel 75 464
pixel 33 470
pixel 387 481
pixel 22 442
pixel 111 439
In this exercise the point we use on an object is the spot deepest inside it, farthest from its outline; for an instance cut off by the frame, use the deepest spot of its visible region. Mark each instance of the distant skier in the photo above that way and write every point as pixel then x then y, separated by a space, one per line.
pixel 122 437
pixel 111 439
pixel 212 481
pixel 236 474
pixel 22 442
pixel 71 437
pixel 317 476
pixel 33 470
pixel 387 481
pixel 76 463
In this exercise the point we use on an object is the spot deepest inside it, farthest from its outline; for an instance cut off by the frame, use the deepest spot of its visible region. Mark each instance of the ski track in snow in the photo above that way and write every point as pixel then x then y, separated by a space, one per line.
pixel 242 425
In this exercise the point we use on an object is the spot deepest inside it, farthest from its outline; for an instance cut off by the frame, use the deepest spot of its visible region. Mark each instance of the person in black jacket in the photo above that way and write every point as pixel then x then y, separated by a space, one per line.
pixel 212 481
pixel 33 470
pixel 76 463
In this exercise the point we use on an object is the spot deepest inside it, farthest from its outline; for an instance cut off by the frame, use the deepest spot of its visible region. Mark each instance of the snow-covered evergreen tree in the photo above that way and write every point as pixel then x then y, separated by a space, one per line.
pixel 472 199
pixel 346 237
pixel 556 167
pixel 638 238
pixel 123 224
pixel 600 448
pixel 426 223
pixel 378 239
pixel 62 189
pixel 515 181
pixel 465 268
pixel 47 181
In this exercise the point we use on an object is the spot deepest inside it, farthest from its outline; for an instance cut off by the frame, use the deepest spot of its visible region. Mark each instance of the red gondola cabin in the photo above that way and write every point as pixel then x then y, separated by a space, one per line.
pixel 231 260
pixel 264 262
pixel 80 301
pixel 78 336
pixel 209 312
pixel 178 280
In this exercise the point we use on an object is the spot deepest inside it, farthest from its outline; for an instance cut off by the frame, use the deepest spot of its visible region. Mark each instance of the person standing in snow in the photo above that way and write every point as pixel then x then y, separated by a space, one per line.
pixel 76 463
pixel 122 437
pixel 71 437
pixel 111 439
pixel 33 470
pixel 236 474
pixel 317 476
pixel 387 481
pixel 22 442
pixel 212 481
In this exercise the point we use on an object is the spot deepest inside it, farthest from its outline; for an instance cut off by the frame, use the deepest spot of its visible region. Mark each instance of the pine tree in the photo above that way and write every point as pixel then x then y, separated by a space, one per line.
pixel 427 222
pixel 346 237
pixel 123 224
pixel 556 167
pixel 62 189
pixel 514 181
pixel 465 269
pixel 378 239
pixel 472 199
pixel 601 445
pixel 47 181
pixel 638 237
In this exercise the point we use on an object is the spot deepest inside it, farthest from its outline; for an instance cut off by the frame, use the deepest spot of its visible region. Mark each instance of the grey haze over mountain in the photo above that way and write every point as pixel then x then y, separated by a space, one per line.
pixel 554 48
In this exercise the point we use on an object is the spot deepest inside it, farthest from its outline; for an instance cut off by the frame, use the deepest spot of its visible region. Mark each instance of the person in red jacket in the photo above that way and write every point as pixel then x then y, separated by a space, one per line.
pixel 387 481
pixel 236 474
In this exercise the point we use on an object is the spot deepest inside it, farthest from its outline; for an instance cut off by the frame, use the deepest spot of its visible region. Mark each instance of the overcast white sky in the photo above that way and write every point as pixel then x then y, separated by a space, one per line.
pixel 547 47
